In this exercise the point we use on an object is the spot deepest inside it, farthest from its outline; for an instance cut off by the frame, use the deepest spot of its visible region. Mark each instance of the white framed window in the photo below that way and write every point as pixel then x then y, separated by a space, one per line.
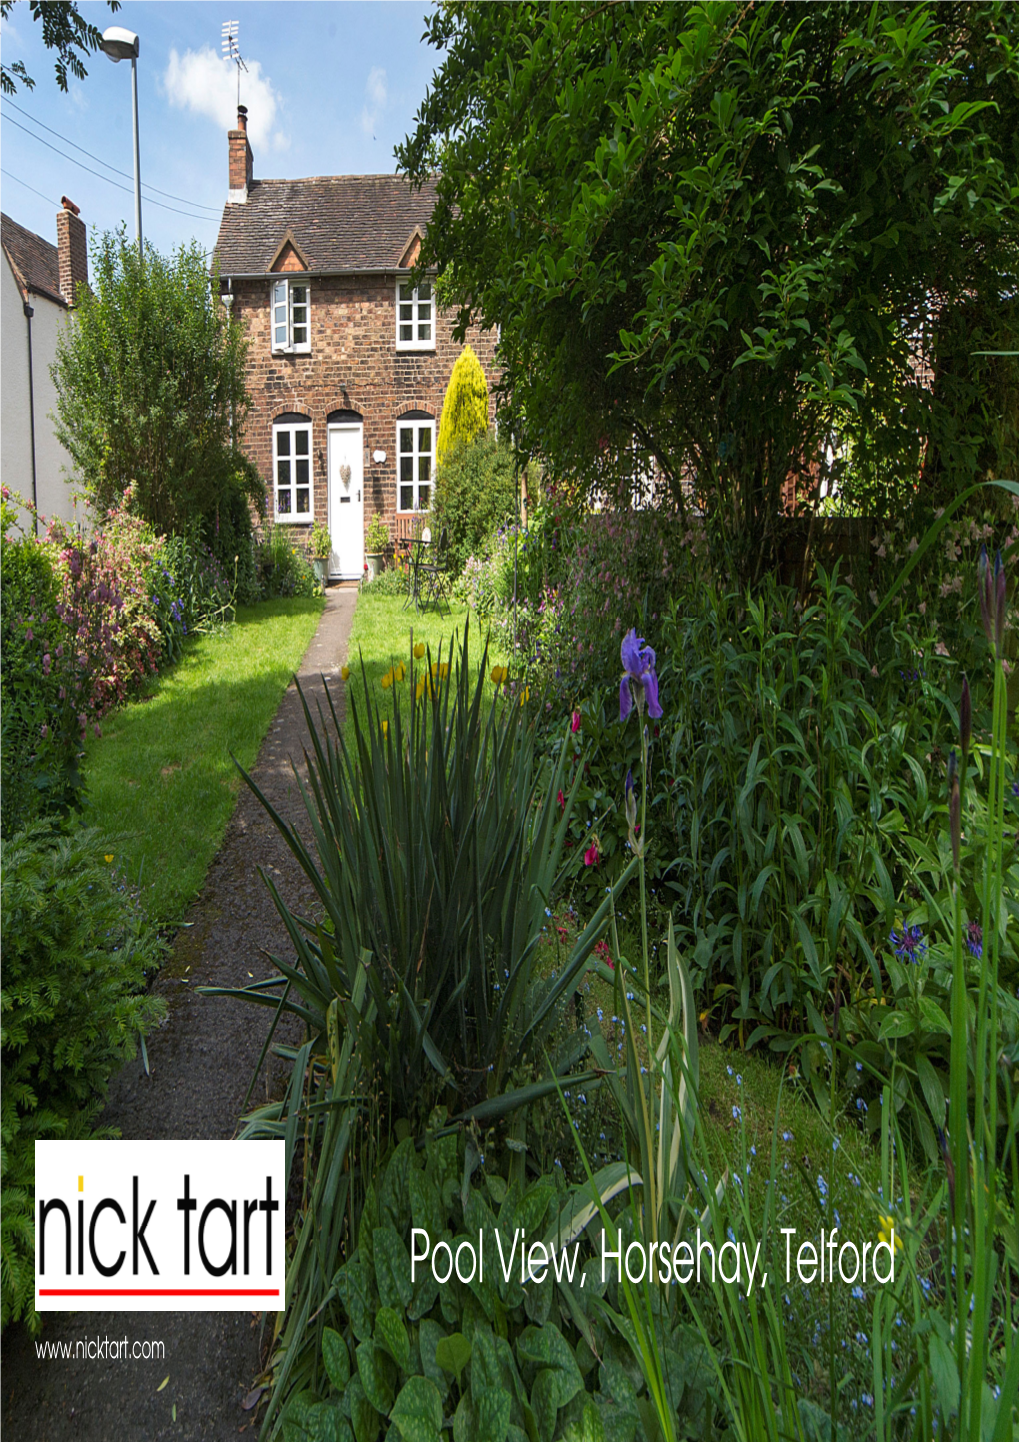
pixel 292 472
pixel 415 316
pixel 290 316
pixel 415 449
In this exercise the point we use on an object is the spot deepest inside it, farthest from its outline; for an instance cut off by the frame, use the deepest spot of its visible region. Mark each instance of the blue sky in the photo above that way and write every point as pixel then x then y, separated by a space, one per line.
pixel 330 89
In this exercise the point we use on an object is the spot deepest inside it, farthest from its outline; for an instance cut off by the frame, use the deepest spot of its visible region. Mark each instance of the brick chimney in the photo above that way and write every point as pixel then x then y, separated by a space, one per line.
pixel 241 159
pixel 72 251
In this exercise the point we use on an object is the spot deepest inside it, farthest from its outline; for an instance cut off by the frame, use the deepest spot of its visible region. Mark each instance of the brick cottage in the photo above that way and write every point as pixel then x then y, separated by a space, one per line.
pixel 348 362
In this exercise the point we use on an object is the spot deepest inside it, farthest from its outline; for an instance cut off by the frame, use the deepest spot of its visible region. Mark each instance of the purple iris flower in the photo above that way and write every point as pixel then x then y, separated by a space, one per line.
pixel 974 938
pixel 638 670
pixel 909 943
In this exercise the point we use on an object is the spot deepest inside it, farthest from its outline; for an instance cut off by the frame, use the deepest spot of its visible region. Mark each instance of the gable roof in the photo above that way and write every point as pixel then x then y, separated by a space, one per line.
pixel 337 223
pixel 33 261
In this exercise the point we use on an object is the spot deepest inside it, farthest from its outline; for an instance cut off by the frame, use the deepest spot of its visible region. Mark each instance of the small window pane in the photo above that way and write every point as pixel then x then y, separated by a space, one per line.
pixel 283 473
pixel 423 497
pixel 425 332
pixel 407 311
pixel 407 332
pixel 424 468
pixel 407 438
pixel 406 290
pixel 407 468
pixel 283 502
pixel 301 469
pixel 300 335
pixel 407 498
pixel 425 291
pixel 425 438
pixel 302 502
pixel 300 294
pixel 301 443
pixel 283 443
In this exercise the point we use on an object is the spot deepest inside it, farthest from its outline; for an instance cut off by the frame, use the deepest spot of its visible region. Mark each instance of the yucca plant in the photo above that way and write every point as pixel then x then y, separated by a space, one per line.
pixel 437 853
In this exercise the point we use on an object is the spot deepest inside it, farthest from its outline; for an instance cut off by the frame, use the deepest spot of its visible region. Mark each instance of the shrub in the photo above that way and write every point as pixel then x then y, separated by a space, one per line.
pixel 465 406
pixel 475 493
pixel 151 389
pixel 285 569
pixel 73 1005
pixel 377 536
pixel 39 734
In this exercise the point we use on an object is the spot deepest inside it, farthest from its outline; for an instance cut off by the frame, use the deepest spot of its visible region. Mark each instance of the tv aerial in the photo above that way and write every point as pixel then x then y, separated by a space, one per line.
pixel 231 52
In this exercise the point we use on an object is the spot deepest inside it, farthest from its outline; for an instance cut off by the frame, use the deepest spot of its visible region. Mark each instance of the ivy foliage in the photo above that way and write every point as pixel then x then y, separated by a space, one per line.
pixel 728 232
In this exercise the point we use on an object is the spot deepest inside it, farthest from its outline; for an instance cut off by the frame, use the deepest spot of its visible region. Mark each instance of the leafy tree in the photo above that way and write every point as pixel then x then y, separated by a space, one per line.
pixel 465 405
pixel 151 388
pixel 729 233
pixel 65 30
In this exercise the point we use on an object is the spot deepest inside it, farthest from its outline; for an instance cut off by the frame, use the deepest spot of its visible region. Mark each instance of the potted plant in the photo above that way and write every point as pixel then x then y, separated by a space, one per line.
pixel 320 544
pixel 377 538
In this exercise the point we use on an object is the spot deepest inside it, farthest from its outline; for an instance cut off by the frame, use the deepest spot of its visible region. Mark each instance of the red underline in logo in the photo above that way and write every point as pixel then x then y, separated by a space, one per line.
pixel 158 1292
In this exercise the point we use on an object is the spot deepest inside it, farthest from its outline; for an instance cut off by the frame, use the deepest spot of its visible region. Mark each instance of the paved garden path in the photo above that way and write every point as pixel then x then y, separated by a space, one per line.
pixel 201 1062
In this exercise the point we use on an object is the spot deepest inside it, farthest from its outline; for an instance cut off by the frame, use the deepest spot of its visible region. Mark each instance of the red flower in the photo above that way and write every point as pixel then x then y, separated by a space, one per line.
pixel 561 799
pixel 575 721
pixel 591 856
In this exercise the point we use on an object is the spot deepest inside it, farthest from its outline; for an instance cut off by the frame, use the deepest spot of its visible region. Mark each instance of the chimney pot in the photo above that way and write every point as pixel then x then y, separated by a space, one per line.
pixel 69 205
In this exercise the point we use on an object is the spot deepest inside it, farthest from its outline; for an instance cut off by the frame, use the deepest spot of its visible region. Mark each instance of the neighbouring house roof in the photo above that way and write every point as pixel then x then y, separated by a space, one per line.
pixel 33 261
pixel 336 223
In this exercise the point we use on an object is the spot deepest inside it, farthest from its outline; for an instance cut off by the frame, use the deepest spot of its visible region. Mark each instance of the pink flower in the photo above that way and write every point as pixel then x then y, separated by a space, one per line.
pixel 591 856
pixel 575 721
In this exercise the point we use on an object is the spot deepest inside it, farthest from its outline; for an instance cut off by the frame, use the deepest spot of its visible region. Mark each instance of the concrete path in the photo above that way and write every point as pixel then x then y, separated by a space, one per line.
pixel 201 1063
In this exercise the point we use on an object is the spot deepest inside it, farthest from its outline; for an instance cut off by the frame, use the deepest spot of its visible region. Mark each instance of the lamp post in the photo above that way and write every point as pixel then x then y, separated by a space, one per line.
pixel 121 44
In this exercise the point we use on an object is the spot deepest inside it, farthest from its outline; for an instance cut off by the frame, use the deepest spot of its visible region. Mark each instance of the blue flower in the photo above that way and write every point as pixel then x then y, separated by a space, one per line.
pixel 638 662
pixel 974 938
pixel 858 1294
pixel 908 944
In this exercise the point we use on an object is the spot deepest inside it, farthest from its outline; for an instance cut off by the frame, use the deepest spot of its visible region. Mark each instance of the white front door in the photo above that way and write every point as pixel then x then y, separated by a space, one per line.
pixel 346 508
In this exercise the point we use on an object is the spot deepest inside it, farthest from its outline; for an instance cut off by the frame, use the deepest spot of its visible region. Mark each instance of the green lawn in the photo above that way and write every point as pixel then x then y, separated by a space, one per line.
pixel 160 783
pixel 383 635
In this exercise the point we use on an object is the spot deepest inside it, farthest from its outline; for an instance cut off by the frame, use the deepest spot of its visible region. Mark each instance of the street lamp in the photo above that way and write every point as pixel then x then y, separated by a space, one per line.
pixel 121 44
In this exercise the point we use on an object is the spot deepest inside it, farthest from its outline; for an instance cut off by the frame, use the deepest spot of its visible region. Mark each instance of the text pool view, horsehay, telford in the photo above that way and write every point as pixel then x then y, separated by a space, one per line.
pixel 519 725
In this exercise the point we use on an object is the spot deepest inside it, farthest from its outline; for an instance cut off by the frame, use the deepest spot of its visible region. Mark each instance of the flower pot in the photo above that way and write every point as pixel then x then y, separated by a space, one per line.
pixel 320 565
pixel 375 560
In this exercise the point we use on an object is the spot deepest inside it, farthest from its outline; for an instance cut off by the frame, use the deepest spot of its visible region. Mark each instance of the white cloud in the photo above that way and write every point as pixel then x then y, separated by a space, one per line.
pixel 376 94
pixel 205 83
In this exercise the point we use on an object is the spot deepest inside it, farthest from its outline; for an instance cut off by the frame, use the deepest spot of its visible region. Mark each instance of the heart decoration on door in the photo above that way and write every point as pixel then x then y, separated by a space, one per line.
pixel 345 475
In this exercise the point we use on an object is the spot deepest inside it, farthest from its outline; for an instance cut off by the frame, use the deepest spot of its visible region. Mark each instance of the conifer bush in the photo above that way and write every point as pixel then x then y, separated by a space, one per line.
pixel 465 405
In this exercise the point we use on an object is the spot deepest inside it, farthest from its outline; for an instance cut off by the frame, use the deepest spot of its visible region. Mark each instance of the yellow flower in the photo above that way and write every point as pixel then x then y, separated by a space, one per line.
pixel 444 670
pixel 387 681
pixel 525 694
pixel 886 1230
pixel 108 858
pixel 399 671
pixel 419 651
pixel 385 728
pixel 419 690
pixel 499 674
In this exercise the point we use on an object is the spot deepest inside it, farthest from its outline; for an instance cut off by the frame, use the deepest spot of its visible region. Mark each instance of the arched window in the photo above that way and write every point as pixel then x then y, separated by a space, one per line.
pixel 415 451
pixel 292 469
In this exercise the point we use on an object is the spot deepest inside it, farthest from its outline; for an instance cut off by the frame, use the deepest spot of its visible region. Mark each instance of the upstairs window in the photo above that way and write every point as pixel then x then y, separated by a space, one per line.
pixel 415 319
pixel 292 471
pixel 290 318
pixel 414 462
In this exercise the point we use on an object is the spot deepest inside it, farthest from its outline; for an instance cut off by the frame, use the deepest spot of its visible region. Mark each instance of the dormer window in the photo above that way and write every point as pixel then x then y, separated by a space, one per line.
pixel 415 319
pixel 291 320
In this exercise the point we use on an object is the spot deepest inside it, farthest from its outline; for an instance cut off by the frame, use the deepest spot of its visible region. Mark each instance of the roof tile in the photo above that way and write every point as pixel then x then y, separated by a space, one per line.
pixel 33 260
pixel 340 222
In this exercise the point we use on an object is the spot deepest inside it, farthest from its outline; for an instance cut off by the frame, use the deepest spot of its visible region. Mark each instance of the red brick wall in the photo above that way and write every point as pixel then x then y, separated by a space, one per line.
pixel 353 365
